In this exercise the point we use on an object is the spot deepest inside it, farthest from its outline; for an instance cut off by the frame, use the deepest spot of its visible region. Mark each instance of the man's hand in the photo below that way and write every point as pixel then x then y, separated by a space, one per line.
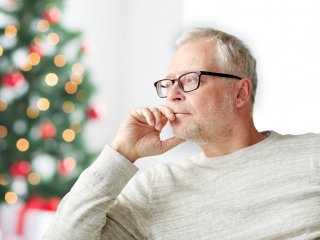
pixel 139 133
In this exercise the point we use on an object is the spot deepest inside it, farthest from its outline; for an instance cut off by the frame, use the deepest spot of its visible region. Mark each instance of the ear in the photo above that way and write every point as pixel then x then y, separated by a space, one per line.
pixel 243 93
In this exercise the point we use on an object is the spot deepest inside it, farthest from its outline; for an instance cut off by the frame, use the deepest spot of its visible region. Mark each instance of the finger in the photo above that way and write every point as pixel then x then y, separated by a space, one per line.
pixel 170 143
pixel 145 114
pixel 158 116
pixel 168 112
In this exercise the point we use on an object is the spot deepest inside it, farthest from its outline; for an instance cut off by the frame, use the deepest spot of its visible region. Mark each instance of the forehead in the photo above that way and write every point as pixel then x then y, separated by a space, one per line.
pixel 193 56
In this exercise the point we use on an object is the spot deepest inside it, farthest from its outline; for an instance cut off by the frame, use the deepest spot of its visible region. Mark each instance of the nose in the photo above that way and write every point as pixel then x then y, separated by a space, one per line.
pixel 175 93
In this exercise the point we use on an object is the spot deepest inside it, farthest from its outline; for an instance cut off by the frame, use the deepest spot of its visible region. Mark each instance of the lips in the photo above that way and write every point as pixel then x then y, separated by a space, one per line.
pixel 181 114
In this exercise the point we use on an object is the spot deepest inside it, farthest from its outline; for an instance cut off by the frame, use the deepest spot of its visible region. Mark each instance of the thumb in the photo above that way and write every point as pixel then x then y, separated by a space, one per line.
pixel 170 143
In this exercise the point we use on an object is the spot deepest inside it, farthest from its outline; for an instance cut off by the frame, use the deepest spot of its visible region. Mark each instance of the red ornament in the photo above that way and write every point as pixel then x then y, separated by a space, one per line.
pixel 36 48
pixel 20 168
pixel 66 166
pixel 47 131
pixel 13 79
pixel 85 48
pixel 94 113
pixel 53 15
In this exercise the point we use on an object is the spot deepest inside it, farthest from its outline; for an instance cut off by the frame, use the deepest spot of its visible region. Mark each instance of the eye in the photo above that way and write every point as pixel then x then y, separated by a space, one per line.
pixel 191 78
pixel 166 84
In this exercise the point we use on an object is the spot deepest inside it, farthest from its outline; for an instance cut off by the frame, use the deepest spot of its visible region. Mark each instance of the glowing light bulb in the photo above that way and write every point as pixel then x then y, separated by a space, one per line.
pixel 34 178
pixel 26 67
pixel 3 131
pixel 53 38
pixel 10 31
pixel 43 25
pixel 78 68
pixel 43 104
pixel 51 79
pixel 71 87
pixel 68 106
pixel 60 60
pixel 32 112
pixel 68 135
pixel 76 78
pixel 33 58
pixel 11 197
pixel 22 145
pixel 3 105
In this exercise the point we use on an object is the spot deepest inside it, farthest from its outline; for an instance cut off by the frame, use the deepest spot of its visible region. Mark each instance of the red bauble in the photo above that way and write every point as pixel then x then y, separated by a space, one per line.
pixel 13 79
pixel 53 15
pixel 85 48
pixel 20 168
pixel 66 166
pixel 36 48
pixel 93 113
pixel 47 131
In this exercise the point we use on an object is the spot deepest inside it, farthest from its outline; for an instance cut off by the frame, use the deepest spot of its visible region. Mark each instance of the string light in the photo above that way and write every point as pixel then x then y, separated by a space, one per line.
pixel 3 131
pixel 3 181
pixel 68 135
pixel 60 60
pixel 43 25
pixel 11 197
pixel 71 87
pixel 33 58
pixel 1 51
pixel 32 112
pixel 37 40
pixel 43 104
pixel 26 67
pixel 77 78
pixel 10 31
pixel 53 38
pixel 68 107
pixel 22 144
pixel 34 178
pixel 3 105
pixel 51 79
pixel 82 95
pixel 78 68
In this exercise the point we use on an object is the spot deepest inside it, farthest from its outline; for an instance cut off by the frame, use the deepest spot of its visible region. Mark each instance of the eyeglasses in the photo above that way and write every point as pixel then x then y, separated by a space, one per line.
pixel 187 82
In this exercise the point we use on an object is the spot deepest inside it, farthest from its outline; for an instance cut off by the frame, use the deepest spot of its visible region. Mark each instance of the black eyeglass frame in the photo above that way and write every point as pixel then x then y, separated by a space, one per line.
pixel 199 73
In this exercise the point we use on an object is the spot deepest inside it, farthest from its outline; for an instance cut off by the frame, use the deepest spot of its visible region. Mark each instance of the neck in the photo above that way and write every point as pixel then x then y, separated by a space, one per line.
pixel 241 136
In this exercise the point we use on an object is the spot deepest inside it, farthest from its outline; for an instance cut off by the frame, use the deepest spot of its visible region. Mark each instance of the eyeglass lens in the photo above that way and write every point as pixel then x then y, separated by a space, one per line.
pixel 188 81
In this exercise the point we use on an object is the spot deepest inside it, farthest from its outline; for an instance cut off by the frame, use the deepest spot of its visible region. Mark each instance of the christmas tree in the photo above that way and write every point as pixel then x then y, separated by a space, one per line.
pixel 44 101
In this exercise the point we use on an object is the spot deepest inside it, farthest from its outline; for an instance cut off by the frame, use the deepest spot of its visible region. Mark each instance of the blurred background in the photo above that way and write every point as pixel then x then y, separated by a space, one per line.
pixel 126 46
pixel 131 43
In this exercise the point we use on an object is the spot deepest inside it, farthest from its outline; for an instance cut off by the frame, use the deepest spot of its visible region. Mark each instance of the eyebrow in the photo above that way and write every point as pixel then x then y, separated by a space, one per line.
pixel 174 76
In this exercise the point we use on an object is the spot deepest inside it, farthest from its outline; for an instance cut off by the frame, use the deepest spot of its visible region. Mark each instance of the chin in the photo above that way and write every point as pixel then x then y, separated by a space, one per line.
pixel 188 133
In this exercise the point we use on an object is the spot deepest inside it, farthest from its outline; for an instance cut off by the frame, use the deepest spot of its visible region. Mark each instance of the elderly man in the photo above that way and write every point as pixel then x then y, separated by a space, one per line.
pixel 245 184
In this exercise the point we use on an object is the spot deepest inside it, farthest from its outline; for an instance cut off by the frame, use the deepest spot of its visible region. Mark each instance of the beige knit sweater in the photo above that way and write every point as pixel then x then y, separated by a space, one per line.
pixel 269 191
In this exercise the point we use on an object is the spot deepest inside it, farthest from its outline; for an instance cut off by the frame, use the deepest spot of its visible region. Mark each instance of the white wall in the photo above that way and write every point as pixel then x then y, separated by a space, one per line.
pixel 284 35
pixel 131 43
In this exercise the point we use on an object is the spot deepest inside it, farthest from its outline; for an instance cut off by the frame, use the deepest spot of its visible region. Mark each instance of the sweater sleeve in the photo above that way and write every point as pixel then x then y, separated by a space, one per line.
pixel 106 202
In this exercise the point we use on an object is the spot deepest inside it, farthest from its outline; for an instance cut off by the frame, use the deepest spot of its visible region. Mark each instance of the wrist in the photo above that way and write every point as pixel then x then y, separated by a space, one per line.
pixel 123 150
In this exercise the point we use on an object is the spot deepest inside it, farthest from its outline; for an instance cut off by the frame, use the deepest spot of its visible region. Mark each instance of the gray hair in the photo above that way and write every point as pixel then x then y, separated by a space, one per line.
pixel 233 54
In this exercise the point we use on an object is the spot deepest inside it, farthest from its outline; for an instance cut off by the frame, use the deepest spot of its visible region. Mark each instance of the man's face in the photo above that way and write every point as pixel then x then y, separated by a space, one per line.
pixel 205 114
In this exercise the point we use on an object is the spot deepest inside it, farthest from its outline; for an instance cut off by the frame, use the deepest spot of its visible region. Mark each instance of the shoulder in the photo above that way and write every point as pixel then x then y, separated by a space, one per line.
pixel 306 138
pixel 308 142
